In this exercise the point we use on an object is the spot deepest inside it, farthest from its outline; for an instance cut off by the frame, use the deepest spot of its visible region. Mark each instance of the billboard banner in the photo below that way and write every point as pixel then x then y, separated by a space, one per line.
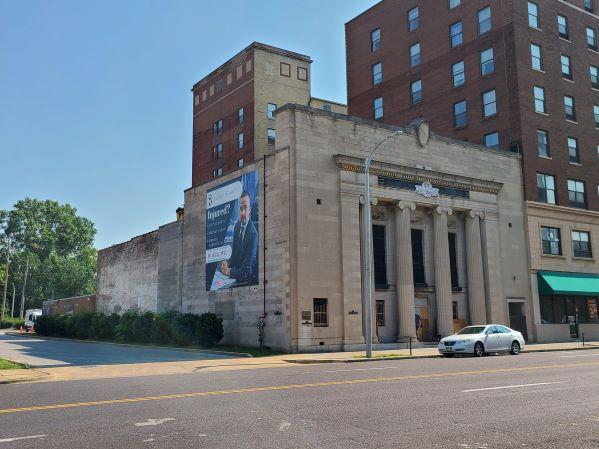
pixel 232 224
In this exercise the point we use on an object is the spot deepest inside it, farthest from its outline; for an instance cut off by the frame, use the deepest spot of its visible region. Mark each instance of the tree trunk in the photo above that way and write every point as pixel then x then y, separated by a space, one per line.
pixel 12 307
pixel 5 281
pixel 23 289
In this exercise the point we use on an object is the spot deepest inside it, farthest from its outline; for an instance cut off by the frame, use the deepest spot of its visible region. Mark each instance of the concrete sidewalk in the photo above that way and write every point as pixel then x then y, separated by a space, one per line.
pixel 66 373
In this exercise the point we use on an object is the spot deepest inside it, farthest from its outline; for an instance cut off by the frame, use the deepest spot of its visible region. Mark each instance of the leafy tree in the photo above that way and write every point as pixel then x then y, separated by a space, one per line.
pixel 52 250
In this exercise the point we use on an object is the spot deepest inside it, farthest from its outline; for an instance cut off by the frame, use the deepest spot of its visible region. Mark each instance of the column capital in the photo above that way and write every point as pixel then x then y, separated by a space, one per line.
pixel 406 205
pixel 444 210
pixel 476 213
pixel 373 201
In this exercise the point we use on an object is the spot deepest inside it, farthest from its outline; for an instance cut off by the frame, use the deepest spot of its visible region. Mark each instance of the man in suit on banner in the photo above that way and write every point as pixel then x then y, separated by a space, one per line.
pixel 242 264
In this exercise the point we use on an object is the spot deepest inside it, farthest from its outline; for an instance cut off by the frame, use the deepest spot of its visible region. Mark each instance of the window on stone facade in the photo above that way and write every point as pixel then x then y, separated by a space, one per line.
pixel 546 188
pixel 489 103
pixel 416 89
pixel 589 5
pixel 460 114
pixel 285 69
pixel 413 19
pixel 566 67
pixel 377 106
pixel 539 94
pixel 302 74
pixel 458 77
pixel 380 256
pixel 270 110
pixel 594 74
pixel 562 27
pixel 375 39
pixel 418 257
pixel 573 153
pixel 484 20
pixel 596 115
pixel 455 34
pixel 591 38
pixel 240 141
pixel 327 107
pixel 492 140
pixel 536 57
pixel 321 316
pixel 240 115
pixel 380 313
pixel 569 108
pixel 377 73
pixel 533 15
pixel 415 54
pixel 454 310
pixel 551 241
pixel 577 196
pixel 487 63
pixel 454 3
pixel 581 244
pixel 453 261
pixel 271 134
pixel 543 143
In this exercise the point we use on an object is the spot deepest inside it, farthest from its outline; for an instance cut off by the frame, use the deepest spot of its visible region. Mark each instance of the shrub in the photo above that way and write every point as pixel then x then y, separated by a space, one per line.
pixel 209 329
pixel 185 329
pixel 15 323
pixel 124 329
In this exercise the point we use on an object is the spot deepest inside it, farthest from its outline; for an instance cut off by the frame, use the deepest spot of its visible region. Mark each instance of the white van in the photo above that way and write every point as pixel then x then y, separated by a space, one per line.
pixel 30 317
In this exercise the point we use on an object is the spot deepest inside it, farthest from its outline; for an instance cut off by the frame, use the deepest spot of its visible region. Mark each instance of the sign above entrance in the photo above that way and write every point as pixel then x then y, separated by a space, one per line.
pixel 427 190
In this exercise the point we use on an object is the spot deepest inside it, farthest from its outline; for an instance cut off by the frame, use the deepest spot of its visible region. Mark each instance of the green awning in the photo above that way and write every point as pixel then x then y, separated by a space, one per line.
pixel 560 283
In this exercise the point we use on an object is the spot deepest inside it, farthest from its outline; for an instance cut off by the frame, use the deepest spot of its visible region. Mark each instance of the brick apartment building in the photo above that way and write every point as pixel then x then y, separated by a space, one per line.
pixel 512 74
pixel 233 106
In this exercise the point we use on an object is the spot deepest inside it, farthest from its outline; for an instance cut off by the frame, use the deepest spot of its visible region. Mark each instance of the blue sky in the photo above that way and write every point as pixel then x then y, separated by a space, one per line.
pixel 95 95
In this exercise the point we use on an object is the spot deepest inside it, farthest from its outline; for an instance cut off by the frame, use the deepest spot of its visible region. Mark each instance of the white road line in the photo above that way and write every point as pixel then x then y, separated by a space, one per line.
pixel 514 386
pixel 10 440
pixel 153 422
pixel 579 355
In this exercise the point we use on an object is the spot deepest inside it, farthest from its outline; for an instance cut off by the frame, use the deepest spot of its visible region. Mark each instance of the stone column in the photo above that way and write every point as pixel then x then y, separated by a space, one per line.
pixel 405 271
pixel 373 202
pixel 442 272
pixel 476 278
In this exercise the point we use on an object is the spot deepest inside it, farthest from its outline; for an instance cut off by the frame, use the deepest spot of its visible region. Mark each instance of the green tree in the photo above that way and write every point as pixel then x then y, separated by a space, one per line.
pixel 52 250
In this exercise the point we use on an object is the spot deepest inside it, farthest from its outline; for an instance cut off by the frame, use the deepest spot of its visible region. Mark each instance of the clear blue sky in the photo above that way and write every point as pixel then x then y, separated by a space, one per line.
pixel 95 101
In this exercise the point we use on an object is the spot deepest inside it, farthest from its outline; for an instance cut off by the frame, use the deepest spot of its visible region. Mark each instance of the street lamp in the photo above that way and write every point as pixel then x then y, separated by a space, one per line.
pixel 368 240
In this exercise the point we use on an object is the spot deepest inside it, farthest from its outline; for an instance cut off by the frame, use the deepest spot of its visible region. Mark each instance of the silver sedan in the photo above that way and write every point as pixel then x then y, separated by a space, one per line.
pixel 481 340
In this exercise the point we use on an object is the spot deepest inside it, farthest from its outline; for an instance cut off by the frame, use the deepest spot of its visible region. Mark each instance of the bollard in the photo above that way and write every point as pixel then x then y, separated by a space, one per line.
pixel 410 345
pixel 583 339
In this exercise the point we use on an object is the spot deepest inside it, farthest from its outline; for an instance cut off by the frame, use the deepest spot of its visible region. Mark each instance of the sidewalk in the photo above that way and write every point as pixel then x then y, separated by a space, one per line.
pixel 66 373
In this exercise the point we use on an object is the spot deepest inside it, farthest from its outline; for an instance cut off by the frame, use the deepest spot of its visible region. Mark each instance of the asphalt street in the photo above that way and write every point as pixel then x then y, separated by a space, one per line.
pixel 543 400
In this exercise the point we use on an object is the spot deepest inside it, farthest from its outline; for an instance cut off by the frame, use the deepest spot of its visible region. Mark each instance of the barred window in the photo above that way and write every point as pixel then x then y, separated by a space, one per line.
pixel 321 317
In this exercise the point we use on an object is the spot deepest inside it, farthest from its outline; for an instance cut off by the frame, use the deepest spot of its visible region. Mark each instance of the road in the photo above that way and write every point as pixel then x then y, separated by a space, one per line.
pixel 542 400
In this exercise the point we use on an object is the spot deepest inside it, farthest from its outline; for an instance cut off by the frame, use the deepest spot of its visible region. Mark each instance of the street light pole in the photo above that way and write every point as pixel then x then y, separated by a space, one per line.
pixel 368 245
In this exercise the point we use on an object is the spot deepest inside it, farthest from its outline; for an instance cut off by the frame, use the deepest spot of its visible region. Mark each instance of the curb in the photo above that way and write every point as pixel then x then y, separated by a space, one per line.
pixel 132 345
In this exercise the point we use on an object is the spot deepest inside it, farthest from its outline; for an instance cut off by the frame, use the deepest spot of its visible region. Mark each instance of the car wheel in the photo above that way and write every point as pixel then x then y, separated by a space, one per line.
pixel 515 349
pixel 479 349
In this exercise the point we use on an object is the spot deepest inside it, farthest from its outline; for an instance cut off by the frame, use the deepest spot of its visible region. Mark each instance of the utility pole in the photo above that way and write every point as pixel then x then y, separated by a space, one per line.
pixel 7 240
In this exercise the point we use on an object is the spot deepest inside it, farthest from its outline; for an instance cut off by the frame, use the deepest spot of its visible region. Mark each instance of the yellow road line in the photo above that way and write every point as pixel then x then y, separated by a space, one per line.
pixel 288 387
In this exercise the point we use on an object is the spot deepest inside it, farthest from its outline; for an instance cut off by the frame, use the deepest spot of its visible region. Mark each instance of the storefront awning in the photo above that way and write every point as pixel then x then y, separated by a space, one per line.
pixel 560 283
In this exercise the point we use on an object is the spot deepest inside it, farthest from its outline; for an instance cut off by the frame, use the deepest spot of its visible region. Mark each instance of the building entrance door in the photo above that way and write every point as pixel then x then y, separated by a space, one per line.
pixel 518 318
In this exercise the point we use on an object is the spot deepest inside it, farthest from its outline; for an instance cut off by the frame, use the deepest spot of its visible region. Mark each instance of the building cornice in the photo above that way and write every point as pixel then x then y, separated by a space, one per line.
pixel 412 174
pixel 561 209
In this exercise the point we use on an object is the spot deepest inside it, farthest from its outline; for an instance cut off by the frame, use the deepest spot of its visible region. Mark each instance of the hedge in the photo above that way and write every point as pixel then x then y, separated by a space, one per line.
pixel 15 323
pixel 136 327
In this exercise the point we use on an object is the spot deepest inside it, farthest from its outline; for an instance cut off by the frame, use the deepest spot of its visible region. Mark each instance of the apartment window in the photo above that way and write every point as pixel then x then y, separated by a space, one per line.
pixel 270 110
pixel 453 261
pixel 581 244
pixel 536 57
pixel 551 241
pixel 218 128
pixel 594 72
pixel 566 67
pixel 377 107
pixel 240 115
pixel 589 5
pixel 546 188
pixel 487 63
pixel 240 162
pixel 596 115
pixel 196 100
pixel 543 143
pixel 416 89
pixel 321 317
pixel 533 15
pixel 454 3
pixel 455 34
pixel 573 153
pixel 418 257
pixel 379 256
pixel 484 20
pixel 377 73
pixel 576 194
pixel 458 76
pixel 539 94
pixel 240 141
pixel 217 151
pixel 460 114
pixel 413 19
pixel 489 103
pixel 380 313
pixel 271 134
pixel 219 86
pixel 562 27
pixel 492 140
pixel 591 38
pixel 375 39
pixel 415 54
pixel 569 108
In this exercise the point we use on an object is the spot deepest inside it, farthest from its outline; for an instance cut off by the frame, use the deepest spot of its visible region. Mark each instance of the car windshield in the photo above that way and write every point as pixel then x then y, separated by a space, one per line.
pixel 471 330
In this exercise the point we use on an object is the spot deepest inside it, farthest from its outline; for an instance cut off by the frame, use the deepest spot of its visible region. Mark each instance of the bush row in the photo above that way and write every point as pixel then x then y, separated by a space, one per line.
pixel 136 327
pixel 15 323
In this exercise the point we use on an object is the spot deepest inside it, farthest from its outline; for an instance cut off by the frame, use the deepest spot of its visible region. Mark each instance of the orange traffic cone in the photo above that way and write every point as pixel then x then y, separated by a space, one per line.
pixel 32 330
pixel 21 330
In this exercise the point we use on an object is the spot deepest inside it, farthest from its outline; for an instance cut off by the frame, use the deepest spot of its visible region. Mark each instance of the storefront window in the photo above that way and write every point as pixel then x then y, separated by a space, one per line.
pixel 566 309
pixel 592 307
